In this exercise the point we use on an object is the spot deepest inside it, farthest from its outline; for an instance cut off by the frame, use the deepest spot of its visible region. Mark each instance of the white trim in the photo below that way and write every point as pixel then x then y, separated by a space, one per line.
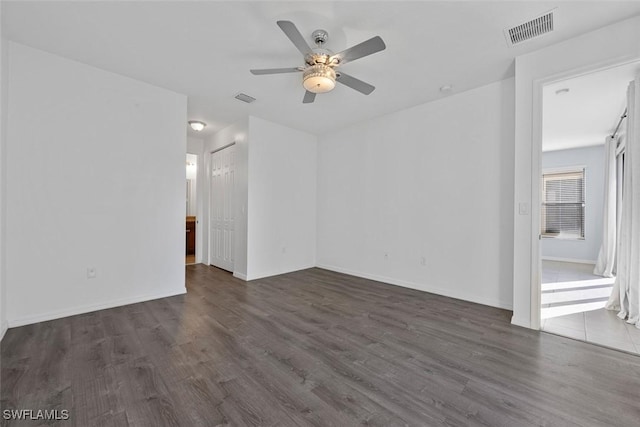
pixel 536 202
pixel 523 322
pixel 57 314
pixel 3 329
pixel 240 276
pixel 507 305
pixel 277 272
pixel 577 261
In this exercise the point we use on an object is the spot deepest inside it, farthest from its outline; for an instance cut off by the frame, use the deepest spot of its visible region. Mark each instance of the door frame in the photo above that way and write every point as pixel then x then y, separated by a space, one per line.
pixel 536 171
pixel 198 203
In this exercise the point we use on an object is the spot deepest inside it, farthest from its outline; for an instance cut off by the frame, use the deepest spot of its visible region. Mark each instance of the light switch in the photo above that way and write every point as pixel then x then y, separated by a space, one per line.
pixel 523 208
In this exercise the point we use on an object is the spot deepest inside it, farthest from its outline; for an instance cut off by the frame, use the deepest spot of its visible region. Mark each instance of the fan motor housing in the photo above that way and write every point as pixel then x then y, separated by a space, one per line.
pixel 319 56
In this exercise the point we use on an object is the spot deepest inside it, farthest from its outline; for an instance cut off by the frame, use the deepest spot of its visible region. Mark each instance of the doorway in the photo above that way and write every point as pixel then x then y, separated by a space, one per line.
pixel 222 208
pixel 190 209
pixel 579 114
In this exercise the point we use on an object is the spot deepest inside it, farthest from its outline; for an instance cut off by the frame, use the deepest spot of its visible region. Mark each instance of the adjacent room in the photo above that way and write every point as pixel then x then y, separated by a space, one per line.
pixel 191 202
pixel 585 127
pixel 230 213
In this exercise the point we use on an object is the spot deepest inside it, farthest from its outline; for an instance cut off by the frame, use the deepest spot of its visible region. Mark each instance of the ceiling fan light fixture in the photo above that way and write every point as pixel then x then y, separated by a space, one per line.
pixel 319 78
pixel 318 74
pixel 197 125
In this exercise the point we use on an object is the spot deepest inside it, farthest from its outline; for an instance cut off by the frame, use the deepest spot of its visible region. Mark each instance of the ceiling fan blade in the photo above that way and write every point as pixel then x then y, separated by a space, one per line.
pixel 365 48
pixel 294 35
pixel 309 97
pixel 354 83
pixel 275 71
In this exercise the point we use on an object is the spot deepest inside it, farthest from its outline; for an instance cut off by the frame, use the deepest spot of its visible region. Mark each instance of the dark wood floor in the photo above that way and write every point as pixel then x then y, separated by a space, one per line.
pixel 312 348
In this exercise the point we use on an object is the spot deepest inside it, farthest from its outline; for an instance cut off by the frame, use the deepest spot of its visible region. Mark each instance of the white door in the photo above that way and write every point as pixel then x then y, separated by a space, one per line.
pixel 221 209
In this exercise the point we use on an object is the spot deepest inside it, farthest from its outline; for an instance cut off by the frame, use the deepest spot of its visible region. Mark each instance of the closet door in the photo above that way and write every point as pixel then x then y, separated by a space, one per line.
pixel 221 209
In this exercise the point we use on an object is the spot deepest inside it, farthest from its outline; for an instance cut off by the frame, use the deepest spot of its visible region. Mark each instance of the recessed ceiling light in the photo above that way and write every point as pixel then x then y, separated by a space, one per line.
pixel 562 91
pixel 446 88
pixel 197 125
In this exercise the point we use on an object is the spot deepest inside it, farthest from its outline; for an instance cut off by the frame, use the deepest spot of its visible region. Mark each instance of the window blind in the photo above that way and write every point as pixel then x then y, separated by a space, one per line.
pixel 563 204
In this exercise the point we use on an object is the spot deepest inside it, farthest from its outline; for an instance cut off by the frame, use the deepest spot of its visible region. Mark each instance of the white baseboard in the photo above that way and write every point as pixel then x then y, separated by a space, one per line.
pixel 240 276
pixel 520 321
pixel 507 305
pixel 577 261
pixel 3 329
pixel 57 314
pixel 278 272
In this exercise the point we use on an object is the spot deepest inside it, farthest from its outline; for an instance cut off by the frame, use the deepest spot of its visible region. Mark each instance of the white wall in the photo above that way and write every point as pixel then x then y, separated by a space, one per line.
pixel 282 199
pixel 431 182
pixel 275 197
pixel 196 146
pixel 95 178
pixel 235 134
pixel 592 159
pixel 604 47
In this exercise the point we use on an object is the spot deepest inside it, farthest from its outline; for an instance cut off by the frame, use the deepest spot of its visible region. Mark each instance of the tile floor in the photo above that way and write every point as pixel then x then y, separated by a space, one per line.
pixel 573 302
pixel 569 288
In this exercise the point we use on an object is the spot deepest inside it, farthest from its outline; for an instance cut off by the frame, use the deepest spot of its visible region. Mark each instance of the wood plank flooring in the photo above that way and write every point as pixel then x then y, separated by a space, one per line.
pixel 311 348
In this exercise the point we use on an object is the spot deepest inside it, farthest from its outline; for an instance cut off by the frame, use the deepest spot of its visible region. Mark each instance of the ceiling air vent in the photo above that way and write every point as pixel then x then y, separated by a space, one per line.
pixel 531 29
pixel 245 98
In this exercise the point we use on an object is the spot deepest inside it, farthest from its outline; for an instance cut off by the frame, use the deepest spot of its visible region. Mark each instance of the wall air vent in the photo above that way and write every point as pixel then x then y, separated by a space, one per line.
pixel 536 27
pixel 245 98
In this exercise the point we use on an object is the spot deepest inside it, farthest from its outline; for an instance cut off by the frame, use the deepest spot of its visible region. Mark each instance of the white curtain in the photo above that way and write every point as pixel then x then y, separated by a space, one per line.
pixel 626 293
pixel 605 265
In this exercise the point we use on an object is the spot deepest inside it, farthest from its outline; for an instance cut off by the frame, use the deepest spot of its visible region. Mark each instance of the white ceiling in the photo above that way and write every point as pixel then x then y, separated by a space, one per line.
pixel 589 112
pixel 204 49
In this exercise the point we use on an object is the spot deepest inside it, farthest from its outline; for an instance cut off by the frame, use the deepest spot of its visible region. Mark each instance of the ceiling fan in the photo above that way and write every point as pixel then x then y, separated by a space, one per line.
pixel 319 73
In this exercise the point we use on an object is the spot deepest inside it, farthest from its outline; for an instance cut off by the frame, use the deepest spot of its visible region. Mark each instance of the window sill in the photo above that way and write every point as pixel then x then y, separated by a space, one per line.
pixel 562 238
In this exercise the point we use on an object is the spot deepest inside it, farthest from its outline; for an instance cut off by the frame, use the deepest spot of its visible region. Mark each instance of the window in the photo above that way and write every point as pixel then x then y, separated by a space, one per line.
pixel 563 204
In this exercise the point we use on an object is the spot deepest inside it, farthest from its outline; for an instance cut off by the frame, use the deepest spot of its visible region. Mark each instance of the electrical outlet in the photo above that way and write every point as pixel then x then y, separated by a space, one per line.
pixel 91 273
pixel 284 249
pixel 423 261
pixel 386 255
